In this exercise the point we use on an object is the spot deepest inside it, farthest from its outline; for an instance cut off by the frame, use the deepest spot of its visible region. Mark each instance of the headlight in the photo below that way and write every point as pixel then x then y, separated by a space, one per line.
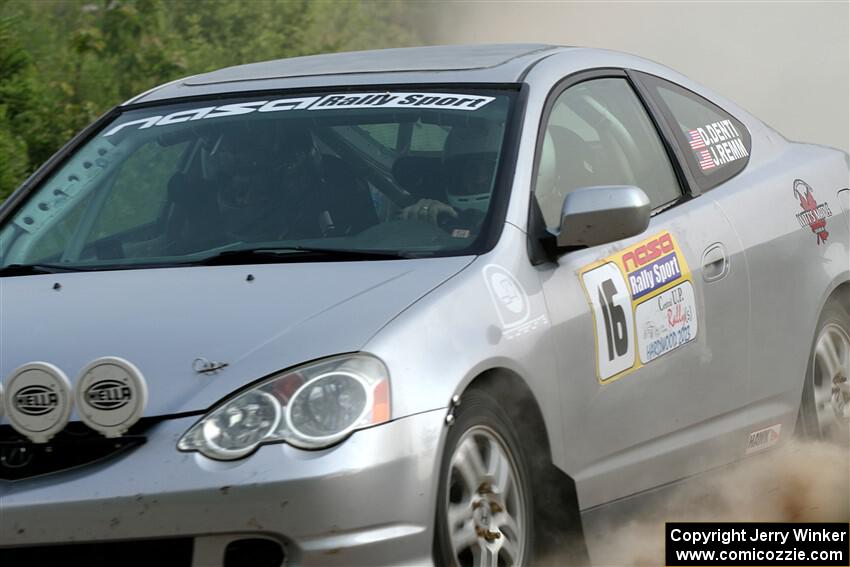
pixel 312 406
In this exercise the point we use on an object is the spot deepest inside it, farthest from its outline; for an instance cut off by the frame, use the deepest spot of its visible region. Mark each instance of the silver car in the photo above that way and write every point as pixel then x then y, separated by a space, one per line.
pixel 411 306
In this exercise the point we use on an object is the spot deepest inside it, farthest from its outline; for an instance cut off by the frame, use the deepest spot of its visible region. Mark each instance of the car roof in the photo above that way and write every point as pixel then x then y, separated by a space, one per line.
pixel 482 63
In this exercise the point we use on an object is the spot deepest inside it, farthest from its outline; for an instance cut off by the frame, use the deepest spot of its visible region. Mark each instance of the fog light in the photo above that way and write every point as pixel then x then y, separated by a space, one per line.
pixel 254 552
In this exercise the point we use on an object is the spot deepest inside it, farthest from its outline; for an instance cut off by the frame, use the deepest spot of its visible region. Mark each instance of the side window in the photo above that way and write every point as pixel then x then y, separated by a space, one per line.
pixel 428 137
pixel 384 134
pixel 599 133
pixel 136 198
pixel 421 137
pixel 717 145
pixel 140 189
pixel 52 242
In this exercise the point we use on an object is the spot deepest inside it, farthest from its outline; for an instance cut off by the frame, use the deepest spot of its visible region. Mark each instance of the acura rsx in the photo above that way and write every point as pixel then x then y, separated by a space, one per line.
pixel 425 305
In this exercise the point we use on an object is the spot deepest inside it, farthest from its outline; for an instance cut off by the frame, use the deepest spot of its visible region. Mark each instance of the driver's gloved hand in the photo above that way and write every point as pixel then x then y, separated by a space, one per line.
pixel 428 210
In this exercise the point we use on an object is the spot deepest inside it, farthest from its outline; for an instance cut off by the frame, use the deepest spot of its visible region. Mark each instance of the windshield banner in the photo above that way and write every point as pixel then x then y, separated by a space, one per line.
pixel 443 101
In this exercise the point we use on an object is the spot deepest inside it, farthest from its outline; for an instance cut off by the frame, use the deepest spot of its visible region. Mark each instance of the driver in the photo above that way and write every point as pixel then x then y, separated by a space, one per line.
pixel 469 166
pixel 269 182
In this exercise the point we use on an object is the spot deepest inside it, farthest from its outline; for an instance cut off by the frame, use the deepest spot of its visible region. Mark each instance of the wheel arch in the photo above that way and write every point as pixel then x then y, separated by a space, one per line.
pixel 806 426
pixel 557 512
pixel 524 409
pixel 831 293
pixel 557 508
pixel 838 287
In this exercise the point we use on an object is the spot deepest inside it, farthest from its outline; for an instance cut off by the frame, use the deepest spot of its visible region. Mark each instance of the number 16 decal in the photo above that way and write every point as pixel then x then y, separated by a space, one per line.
pixel 613 317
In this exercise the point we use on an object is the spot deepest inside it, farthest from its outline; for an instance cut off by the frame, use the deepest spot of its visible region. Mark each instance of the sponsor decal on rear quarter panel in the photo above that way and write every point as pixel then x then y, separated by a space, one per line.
pixel 814 214
pixel 643 305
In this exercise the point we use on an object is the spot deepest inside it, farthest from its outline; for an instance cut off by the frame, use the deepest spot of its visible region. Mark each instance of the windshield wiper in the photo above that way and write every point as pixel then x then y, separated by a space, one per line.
pixel 295 254
pixel 36 269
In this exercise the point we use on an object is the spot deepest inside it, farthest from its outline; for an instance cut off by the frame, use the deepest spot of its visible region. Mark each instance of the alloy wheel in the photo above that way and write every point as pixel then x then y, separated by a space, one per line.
pixel 831 382
pixel 486 504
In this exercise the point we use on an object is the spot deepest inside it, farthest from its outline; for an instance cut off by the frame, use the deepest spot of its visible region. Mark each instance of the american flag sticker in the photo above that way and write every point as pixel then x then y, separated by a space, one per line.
pixel 705 160
pixel 695 140
pixel 698 145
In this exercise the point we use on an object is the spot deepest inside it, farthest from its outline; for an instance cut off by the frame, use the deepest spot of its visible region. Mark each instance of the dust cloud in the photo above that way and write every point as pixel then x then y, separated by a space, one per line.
pixel 802 482
pixel 786 62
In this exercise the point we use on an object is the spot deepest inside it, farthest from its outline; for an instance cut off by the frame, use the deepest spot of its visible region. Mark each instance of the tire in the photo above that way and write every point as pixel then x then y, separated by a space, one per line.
pixel 485 505
pixel 825 407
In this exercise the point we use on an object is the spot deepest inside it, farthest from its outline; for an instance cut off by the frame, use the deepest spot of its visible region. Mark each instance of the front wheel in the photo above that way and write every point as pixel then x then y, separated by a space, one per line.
pixel 484 511
pixel 825 411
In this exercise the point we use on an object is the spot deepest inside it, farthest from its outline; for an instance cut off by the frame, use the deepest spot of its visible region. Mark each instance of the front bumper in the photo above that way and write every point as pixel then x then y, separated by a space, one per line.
pixel 368 501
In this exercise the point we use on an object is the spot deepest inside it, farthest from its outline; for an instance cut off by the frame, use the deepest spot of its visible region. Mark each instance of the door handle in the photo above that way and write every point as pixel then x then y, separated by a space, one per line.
pixel 715 263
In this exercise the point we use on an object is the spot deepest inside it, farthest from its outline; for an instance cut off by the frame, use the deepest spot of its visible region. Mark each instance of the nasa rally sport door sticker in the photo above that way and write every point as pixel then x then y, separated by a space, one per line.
pixel 111 395
pixel 717 144
pixel 814 214
pixel 643 305
pixel 38 401
pixel 512 302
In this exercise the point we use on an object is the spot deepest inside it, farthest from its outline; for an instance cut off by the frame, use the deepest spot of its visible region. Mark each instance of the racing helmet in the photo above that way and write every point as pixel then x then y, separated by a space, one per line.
pixel 472 152
pixel 260 168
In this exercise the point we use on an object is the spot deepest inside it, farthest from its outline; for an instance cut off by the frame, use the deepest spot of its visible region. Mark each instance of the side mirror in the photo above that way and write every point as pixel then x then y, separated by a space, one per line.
pixel 596 215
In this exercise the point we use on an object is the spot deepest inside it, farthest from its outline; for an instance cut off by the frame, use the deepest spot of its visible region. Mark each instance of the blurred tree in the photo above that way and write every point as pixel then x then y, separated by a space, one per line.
pixel 15 96
pixel 62 63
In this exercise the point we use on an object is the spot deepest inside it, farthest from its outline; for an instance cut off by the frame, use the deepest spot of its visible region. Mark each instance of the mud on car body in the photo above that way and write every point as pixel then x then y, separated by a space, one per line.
pixel 406 306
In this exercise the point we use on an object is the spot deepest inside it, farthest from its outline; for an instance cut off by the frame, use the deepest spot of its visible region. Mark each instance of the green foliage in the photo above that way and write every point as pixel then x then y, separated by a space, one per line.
pixel 13 155
pixel 14 95
pixel 63 63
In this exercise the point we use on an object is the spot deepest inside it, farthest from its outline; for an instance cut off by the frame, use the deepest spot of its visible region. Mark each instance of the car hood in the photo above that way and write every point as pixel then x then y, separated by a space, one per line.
pixel 256 319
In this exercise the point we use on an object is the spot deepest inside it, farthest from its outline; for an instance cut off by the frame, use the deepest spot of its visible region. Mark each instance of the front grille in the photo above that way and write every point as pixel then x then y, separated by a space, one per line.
pixel 74 446
pixel 175 552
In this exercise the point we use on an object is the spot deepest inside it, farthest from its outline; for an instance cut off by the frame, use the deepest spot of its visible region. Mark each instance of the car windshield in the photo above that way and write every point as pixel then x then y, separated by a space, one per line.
pixel 399 173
